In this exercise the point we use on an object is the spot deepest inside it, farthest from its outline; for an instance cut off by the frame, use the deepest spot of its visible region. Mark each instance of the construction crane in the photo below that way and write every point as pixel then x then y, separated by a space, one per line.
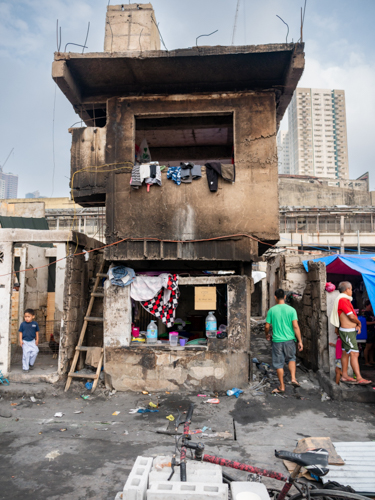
pixel 235 21
pixel 3 165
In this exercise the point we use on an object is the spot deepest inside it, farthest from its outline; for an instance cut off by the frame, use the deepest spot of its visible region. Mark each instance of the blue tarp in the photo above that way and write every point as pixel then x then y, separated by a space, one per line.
pixel 363 264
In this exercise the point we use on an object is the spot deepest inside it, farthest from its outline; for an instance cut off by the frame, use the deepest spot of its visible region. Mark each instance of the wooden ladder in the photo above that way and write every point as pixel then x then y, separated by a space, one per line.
pixel 80 348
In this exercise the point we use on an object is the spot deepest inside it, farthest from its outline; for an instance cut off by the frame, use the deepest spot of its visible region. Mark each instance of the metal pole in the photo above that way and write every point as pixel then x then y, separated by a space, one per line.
pixel 342 231
pixel 358 243
pixel 301 243
pixel 329 248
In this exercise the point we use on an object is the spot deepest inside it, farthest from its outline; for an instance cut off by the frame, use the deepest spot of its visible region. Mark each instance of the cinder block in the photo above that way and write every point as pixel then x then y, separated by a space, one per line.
pixel 136 486
pixel 201 472
pixel 168 490
pixel 238 487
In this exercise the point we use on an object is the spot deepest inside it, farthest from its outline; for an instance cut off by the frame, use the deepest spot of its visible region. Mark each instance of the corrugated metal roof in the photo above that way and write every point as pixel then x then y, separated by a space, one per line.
pixel 359 469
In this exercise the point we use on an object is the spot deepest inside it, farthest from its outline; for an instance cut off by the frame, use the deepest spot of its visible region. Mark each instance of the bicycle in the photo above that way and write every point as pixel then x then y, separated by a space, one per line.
pixel 315 461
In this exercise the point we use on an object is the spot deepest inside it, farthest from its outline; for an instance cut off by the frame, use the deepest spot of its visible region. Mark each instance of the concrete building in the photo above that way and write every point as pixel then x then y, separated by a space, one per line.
pixel 317 133
pixel 283 152
pixel 37 273
pixel 198 104
pixel 10 187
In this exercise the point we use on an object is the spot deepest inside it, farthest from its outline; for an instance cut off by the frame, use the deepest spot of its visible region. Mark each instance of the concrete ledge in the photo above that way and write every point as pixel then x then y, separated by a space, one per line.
pixel 343 392
pixel 33 378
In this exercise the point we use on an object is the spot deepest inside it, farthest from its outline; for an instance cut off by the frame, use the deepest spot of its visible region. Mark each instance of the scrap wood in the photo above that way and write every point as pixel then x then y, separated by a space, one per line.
pixel 312 443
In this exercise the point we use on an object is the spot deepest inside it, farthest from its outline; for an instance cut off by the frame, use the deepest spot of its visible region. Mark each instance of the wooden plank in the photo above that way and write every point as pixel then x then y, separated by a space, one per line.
pixel 77 375
pixel 98 370
pixel 97 294
pixel 84 348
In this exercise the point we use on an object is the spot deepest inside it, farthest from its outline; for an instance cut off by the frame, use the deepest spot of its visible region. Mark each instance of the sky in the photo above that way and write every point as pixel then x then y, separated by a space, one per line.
pixel 35 115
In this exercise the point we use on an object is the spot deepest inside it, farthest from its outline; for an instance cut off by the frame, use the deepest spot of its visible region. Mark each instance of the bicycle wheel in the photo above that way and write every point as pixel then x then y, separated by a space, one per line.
pixel 329 494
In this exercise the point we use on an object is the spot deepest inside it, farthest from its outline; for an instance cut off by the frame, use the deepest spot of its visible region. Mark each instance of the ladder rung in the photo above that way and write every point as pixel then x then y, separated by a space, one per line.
pixel 97 294
pixel 102 275
pixel 79 375
pixel 84 348
pixel 94 319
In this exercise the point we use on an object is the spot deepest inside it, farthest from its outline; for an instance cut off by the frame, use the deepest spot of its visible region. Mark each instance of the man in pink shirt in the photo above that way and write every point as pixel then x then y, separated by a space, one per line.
pixel 350 327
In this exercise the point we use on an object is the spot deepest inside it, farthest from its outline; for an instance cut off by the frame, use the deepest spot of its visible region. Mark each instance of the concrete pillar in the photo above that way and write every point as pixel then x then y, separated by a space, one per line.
pixel 6 268
pixel 131 27
pixel 117 315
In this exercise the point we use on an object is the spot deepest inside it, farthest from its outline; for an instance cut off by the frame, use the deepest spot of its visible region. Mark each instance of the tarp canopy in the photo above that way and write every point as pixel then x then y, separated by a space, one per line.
pixel 23 223
pixel 352 264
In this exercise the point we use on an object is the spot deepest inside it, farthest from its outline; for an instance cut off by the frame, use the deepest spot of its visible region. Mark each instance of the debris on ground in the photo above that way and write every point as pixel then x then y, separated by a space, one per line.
pixel 213 401
pixel 115 413
pixel 58 414
pixel 324 397
pixel 234 392
pixel 170 418
pixel 52 455
pixel 85 396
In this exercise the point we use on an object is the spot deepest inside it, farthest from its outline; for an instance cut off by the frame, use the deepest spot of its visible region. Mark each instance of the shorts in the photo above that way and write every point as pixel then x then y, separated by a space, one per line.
pixel 283 352
pixel 349 341
pixel 338 364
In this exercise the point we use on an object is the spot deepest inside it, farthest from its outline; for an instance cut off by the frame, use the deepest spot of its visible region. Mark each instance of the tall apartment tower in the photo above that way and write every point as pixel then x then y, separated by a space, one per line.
pixel 10 185
pixel 283 152
pixel 317 133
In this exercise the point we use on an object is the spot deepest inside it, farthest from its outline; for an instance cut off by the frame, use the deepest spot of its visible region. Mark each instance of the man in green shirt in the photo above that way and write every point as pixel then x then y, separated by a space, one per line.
pixel 286 332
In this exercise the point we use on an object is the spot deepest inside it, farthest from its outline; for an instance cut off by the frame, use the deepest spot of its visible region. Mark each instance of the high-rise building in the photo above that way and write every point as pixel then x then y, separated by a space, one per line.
pixel 317 133
pixel 2 189
pixel 283 152
pixel 10 185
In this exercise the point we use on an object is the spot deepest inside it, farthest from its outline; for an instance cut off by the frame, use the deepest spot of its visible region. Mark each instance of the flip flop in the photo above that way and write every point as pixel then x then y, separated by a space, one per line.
pixel 277 391
pixel 295 384
pixel 349 380
pixel 363 381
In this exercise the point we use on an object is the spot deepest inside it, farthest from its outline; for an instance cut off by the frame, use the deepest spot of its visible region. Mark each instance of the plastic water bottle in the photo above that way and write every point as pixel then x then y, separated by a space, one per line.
pixel 234 392
pixel 211 325
pixel 152 333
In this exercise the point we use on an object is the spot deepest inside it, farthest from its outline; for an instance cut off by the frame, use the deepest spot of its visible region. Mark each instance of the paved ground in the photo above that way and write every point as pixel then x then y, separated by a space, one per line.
pixel 93 456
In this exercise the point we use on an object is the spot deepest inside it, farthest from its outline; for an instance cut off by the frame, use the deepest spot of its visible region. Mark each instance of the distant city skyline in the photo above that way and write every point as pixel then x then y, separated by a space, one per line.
pixel 8 185
pixel 316 140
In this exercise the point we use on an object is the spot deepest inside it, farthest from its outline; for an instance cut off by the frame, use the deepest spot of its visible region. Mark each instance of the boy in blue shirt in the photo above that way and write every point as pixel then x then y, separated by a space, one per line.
pixel 29 339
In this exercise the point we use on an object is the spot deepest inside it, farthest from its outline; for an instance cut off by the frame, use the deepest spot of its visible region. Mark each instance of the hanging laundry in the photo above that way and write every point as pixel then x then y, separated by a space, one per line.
pixel 186 176
pixel 163 308
pixel 174 173
pixel 156 179
pixel 144 171
pixel 135 180
pixel 196 172
pixel 214 170
pixel 121 275
pixel 146 287
pixel 144 154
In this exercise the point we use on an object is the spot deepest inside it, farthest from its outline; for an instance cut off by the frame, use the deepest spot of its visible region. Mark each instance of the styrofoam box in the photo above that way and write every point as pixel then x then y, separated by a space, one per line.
pixel 196 472
pixel 166 490
pixel 137 482
pixel 249 487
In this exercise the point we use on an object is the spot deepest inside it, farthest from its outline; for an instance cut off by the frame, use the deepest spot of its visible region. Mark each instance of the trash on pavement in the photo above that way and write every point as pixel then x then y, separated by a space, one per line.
pixel 201 395
pixel 325 397
pixel 234 392
pixel 204 429
pixel 63 430
pixel 52 455
pixel 13 404
pixel 144 392
pixel 147 410
pixel 84 396
pixel 58 414
pixel 115 413
pixel 152 405
pixel 88 385
pixel 79 411
pixel 213 401
pixel 33 399
pixel 170 418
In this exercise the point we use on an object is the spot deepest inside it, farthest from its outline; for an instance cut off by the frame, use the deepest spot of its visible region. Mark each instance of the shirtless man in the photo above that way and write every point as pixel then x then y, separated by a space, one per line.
pixel 350 327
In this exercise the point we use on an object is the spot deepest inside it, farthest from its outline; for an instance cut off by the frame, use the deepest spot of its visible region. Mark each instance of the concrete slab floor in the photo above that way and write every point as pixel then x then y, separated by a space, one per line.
pixel 45 369
pixel 92 458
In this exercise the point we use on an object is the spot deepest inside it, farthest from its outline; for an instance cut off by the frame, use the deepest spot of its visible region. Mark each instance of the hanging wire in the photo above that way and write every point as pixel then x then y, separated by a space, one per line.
pixel 53 143
pixel 58 39
pixel 286 26
pixel 87 34
pixel 161 38
pixel 196 40
pixel 303 21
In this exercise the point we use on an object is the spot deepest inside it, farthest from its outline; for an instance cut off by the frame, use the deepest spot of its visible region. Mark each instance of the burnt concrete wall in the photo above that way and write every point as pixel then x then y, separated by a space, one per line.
pixel 313 320
pixel 219 366
pixel 76 299
pixel 293 192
